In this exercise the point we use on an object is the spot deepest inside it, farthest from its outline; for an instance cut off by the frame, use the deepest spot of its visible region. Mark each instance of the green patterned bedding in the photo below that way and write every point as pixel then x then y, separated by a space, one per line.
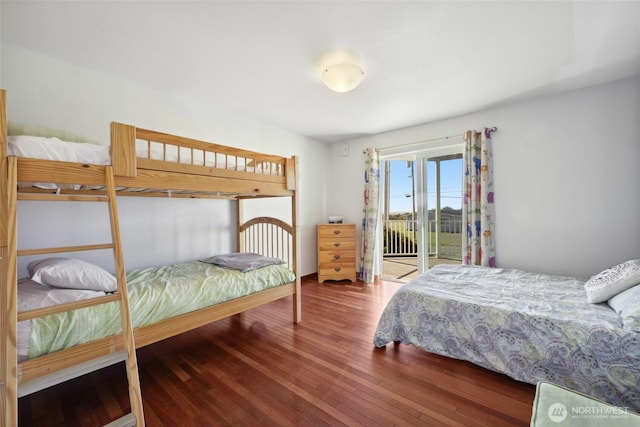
pixel 532 327
pixel 154 294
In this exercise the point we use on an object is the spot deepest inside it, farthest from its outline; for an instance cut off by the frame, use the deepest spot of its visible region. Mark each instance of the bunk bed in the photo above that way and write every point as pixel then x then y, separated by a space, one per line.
pixel 140 162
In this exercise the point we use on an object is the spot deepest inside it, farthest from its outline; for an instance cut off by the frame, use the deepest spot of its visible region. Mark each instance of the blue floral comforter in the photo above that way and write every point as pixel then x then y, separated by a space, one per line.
pixel 532 327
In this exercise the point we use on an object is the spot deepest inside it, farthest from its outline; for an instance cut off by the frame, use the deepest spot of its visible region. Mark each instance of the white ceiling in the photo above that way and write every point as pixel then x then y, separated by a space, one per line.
pixel 423 60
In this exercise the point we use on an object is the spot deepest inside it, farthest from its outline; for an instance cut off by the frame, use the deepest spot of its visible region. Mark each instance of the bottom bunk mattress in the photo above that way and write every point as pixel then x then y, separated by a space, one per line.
pixel 155 294
pixel 532 327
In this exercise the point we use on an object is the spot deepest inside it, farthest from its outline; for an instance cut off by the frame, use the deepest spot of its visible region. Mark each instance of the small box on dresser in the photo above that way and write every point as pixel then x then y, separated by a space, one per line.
pixel 336 252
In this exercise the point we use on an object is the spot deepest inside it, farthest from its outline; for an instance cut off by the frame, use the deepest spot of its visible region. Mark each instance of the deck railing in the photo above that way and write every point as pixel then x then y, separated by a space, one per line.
pixel 400 237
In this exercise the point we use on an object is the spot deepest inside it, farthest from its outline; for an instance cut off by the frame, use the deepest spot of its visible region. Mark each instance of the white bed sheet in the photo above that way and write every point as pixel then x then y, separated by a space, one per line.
pixel 56 149
pixel 53 148
pixel 32 295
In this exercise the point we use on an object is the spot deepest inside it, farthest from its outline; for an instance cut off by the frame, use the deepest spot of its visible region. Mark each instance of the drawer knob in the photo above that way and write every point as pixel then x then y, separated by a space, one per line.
pixel 336 244
pixel 337 269
pixel 336 231
pixel 336 256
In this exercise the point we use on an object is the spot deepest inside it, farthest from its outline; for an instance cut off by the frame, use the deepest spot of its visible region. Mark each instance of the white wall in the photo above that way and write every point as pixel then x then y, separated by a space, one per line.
pixel 566 177
pixel 46 91
pixel 565 167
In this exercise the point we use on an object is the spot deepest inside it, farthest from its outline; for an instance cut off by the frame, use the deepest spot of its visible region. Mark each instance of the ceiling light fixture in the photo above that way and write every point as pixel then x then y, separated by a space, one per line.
pixel 342 77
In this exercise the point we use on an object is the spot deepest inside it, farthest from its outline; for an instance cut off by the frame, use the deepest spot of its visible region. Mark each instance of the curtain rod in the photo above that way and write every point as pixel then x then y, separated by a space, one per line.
pixel 442 138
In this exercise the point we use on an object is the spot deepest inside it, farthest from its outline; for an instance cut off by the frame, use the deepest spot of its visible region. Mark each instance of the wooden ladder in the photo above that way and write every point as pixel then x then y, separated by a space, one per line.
pixel 16 388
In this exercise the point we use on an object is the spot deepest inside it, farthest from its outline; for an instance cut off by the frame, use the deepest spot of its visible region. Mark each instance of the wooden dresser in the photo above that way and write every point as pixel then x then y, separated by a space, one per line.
pixel 336 252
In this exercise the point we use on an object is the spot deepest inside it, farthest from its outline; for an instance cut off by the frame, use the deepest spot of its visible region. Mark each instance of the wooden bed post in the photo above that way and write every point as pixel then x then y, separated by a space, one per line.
pixel 239 245
pixel 3 256
pixel 10 298
pixel 123 149
pixel 4 212
pixel 8 354
pixel 297 298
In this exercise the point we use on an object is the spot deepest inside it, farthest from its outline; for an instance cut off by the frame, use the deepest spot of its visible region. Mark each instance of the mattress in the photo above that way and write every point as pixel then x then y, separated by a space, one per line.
pixel 155 294
pixel 532 327
pixel 56 149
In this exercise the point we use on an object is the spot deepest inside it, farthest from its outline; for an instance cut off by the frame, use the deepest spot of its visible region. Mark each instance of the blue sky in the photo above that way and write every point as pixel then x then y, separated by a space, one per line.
pixel 451 175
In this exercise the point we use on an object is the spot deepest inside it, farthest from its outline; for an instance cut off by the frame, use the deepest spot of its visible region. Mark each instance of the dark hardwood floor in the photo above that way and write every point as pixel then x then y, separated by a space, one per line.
pixel 263 370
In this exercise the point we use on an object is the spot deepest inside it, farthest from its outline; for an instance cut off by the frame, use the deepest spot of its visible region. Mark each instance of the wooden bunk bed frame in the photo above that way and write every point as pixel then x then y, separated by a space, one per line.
pixel 263 176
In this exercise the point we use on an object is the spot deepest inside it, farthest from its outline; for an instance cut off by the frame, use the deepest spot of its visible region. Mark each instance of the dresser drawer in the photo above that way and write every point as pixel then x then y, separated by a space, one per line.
pixel 336 256
pixel 337 271
pixel 331 231
pixel 336 244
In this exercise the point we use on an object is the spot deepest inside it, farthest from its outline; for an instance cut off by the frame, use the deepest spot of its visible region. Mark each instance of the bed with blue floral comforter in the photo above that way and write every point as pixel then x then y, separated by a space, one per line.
pixel 532 327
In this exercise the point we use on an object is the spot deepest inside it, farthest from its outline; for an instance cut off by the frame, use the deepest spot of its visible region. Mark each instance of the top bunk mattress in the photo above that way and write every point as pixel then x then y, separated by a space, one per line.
pixel 147 162
pixel 53 148
pixel 37 147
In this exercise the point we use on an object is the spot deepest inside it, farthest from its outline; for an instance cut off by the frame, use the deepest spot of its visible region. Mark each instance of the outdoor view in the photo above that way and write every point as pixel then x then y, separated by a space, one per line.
pixel 443 218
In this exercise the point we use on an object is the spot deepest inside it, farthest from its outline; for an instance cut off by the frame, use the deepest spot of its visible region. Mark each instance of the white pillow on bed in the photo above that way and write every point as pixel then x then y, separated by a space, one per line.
pixel 612 281
pixel 627 305
pixel 72 274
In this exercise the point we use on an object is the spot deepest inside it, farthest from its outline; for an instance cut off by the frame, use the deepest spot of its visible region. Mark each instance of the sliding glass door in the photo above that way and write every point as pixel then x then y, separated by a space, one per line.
pixel 441 209
pixel 399 218
pixel 421 211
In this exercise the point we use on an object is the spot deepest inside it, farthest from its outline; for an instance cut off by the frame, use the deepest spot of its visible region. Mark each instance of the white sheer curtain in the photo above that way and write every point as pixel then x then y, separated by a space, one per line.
pixel 370 214
pixel 478 245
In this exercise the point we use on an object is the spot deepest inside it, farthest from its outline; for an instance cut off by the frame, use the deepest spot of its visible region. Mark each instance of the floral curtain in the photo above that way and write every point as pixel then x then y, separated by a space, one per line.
pixel 478 209
pixel 370 214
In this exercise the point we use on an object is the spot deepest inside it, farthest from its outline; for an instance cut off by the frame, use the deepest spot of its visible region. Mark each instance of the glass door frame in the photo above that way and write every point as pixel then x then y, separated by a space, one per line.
pixel 420 155
pixel 422 197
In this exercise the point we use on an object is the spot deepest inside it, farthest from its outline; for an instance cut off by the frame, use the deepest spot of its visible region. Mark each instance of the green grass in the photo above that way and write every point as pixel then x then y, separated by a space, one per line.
pixel 406 238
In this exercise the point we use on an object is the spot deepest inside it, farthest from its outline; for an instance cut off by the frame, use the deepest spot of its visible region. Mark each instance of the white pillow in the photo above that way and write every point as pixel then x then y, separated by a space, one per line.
pixel 612 281
pixel 627 305
pixel 72 274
